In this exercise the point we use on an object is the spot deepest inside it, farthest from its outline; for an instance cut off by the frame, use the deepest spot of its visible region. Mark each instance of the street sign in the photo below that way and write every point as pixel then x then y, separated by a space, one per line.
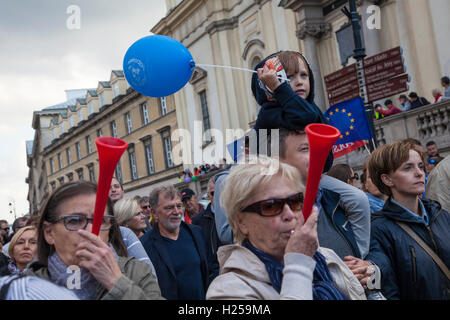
pixel 386 55
pixel 386 88
pixel 345 97
pixel 343 85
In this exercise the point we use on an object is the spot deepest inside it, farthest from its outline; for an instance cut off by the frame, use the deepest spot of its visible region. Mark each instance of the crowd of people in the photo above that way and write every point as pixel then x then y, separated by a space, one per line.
pixel 412 101
pixel 387 238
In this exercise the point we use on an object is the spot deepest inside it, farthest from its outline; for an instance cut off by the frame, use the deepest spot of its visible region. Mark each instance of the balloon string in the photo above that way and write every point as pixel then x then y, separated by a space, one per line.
pixel 233 68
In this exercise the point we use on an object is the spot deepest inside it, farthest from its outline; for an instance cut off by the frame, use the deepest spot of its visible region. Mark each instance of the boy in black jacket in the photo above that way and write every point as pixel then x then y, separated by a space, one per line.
pixel 287 103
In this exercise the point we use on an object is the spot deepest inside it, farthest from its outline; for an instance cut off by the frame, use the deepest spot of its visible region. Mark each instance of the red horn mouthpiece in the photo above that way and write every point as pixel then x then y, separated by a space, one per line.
pixel 321 138
pixel 109 152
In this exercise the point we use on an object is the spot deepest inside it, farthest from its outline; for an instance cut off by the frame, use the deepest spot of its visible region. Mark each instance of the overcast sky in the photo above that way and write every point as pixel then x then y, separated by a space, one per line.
pixel 40 57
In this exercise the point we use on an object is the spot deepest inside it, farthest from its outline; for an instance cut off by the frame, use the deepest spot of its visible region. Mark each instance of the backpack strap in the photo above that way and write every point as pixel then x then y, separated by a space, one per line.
pixel 427 249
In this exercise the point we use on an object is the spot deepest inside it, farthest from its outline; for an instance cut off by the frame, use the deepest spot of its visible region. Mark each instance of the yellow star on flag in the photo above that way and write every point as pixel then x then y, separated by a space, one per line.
pixel 331 113
pixel 341 136
pixel 347 133
pixel 351 127
pixel 349 114
pixel 343 110
pixel 352 120
pixel 337 110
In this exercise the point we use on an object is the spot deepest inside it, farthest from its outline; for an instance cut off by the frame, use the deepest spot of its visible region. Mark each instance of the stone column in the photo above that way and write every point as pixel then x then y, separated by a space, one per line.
pixel 310 33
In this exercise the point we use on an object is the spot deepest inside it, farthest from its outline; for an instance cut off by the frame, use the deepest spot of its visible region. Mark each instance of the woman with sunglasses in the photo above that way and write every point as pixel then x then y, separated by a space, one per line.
pixel 276 254
pixel 128 213
pixel 94 267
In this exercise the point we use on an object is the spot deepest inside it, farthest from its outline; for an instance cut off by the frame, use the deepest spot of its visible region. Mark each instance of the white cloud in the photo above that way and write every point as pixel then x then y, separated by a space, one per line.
pixel 41 58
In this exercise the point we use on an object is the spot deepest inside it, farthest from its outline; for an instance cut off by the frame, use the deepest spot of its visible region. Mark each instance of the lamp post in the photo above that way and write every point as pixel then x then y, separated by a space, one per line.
pixel 360 53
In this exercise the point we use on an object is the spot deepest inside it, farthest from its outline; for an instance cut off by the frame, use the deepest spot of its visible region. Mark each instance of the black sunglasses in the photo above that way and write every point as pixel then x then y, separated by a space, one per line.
pixel 355 177
pixel 145 207
pixel 273 207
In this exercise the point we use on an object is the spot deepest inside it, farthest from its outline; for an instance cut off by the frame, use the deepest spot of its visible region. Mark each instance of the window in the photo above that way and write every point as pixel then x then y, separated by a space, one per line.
pixel 91 107
pixel 119 172
pixel 91 172
pixel 163 106
pixel 69 158
pixel 102 99
pixel 77 146
pixel 80 115
pixel 144 109
pixel 70 177
pixel 52 166
pixel 114 129
pixel 149 156
pixel 88 144
pixel 54 133
pixel 80 174
pixel 71 121
pixel 62 127
pixel 205 115
pixel 133 167
pixel 116 89
pixel 128 122
pixel 60 161
pixel 167 148
pixel 99 133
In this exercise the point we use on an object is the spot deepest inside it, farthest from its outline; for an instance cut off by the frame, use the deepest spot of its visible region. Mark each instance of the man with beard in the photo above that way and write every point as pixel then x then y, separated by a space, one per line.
pixel 177 249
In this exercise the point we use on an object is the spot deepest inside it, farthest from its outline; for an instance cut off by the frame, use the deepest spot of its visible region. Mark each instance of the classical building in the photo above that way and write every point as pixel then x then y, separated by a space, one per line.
pixel 240 33
pixel 64 147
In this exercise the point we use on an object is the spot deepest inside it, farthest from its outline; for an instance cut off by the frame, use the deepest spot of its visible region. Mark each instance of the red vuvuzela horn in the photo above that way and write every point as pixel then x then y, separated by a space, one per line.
pixel 109 152
pixel 321 138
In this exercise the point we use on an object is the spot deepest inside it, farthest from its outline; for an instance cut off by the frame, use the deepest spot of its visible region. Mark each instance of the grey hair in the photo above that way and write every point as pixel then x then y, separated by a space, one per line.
pixel 167 190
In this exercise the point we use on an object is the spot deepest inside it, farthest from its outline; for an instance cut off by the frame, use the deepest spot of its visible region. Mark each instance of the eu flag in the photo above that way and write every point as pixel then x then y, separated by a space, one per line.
pixel 349 117
pixel 237 149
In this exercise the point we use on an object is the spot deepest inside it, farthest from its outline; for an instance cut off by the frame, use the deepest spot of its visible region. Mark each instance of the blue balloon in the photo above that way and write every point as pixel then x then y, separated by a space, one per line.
pixel 158 66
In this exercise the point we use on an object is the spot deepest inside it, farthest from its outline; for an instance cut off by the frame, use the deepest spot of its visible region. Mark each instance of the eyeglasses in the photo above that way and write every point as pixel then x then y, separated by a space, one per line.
pixel 355 177
pixel 273 207
pixel 75 222
pixel 145 207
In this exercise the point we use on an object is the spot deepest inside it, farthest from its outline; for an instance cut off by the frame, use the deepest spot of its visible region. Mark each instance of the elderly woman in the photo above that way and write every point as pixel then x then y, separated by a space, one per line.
pixel 128 213
pixel 22 250
pixel 407 270
pixel 276 254
pixel 94 267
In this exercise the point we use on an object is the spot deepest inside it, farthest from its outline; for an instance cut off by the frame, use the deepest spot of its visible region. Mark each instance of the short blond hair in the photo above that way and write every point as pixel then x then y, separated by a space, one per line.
pixel 16 237
pixel 124 210
pixel 244 180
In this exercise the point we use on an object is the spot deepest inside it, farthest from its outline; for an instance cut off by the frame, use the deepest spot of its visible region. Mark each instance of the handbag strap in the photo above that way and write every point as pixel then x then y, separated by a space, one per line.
pixel 428 250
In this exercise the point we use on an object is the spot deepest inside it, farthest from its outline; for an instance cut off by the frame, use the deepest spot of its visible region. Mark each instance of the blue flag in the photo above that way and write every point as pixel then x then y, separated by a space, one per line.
pixel 349 117
pixel 237 149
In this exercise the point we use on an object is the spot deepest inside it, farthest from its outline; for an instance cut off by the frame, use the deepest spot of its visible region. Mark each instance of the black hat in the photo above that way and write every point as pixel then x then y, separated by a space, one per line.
pixel 187 194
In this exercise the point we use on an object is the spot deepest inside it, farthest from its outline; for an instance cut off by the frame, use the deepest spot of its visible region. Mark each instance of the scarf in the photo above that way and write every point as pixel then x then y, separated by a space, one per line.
pixel 14 270
pixel 88 289
pixel 323 286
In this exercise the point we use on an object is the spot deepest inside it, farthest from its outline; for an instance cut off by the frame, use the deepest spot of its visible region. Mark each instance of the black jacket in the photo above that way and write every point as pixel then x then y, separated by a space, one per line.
pixel 155 247
pixel 289 110
pixel 421 101
pixel 206 221
pixel 407 271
